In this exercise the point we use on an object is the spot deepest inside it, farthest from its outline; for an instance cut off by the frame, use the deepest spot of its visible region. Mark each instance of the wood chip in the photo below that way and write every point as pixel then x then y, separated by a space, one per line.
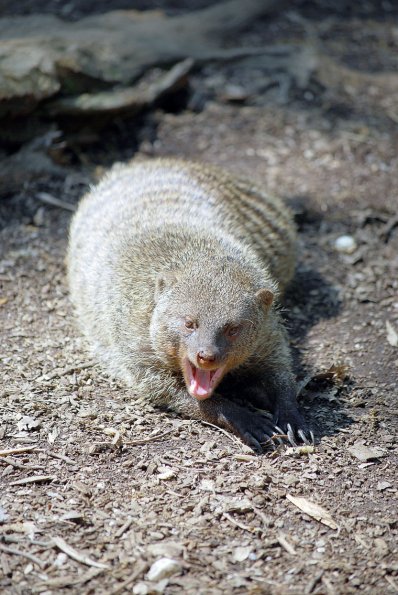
pixel 66 581
pixel 140 568
pixel 14 463
pixel 75 555
pixel 33 479
pixel 123 528
pixel 313 583
pixel 57 373
pixel 229 436
pixel 392 335
pixel 282 539
pixel 241 525
pixel 55 202
pixel 149 439
pixel 12 551
pixel 17 451
pixel 57 455
pixel 313 510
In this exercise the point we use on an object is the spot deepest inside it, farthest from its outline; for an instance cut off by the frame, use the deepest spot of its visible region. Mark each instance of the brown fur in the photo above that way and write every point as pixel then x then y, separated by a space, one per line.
pixel 158 241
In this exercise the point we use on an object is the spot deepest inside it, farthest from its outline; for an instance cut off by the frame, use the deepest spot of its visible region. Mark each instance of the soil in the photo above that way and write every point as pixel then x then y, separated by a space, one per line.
pixel 125 485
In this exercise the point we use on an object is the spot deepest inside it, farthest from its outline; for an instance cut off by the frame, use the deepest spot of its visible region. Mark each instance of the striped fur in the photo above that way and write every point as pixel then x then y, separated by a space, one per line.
pixel 150 219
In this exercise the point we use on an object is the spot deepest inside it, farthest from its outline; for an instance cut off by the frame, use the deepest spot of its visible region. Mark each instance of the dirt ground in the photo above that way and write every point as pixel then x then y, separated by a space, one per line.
pixel 123 485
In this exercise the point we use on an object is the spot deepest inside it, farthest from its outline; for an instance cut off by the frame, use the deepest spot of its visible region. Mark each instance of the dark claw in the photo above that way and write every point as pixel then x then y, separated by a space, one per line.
pixel 252 442
pixel 256 430
pixel 304 437
pixel 290 435
pixel 295 427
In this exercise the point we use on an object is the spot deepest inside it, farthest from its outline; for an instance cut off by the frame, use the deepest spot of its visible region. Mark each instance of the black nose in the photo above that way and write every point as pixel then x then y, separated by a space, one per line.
pixel 206 356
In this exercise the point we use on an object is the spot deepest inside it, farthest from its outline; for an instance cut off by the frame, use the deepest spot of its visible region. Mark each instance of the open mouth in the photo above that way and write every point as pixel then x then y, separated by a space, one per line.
pixel 201 383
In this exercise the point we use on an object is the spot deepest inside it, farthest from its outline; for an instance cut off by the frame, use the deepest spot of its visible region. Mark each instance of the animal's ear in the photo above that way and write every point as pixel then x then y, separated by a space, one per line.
pixel 163 282
pixel 265 298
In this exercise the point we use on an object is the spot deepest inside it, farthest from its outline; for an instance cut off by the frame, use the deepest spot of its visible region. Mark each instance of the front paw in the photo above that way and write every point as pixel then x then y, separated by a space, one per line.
pixel 292 423
pixel 254 429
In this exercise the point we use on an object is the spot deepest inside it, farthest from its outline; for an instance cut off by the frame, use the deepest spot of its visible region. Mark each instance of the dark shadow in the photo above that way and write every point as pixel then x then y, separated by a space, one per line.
pixel 309 299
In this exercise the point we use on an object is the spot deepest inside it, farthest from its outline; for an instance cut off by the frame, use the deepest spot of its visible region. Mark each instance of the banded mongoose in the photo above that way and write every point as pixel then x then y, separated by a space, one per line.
pixel 173 270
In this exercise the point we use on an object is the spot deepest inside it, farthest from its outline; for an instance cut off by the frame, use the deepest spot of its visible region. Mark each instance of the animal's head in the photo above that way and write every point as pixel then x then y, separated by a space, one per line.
pixel 207 321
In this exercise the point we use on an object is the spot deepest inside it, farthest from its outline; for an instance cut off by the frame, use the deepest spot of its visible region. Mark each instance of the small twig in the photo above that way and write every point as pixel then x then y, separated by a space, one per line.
pixel 55 202
pixel 16 539
pixel 61 582
pixel 241 525
pixel 17 451
pixel 11 550
pixel 386 232
pixel 57 455
pixel 329 587
pixel 286 545
pixel 33 479
pixel 227 434
pixel 75 555
pixel 17 465
pixel 393 584
pixel 123 528
pixel 313 582
pixel 65 371
pixel 261 515
pixel 284 436
pixel 149 439
pixel 140 568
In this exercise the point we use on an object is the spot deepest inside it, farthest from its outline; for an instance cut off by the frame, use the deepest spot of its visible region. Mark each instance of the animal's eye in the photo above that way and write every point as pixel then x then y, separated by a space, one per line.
pixel 190 324
pixel 233 330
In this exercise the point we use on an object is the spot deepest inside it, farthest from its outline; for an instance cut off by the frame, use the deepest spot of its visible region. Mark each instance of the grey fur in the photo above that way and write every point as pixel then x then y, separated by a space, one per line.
pixel 160 240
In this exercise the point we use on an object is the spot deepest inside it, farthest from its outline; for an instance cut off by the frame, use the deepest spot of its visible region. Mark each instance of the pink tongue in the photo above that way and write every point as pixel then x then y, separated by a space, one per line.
pixel 200 383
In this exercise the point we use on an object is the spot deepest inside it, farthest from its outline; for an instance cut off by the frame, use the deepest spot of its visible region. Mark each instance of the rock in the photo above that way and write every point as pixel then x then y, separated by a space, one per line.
pixel 345 244
pixel 365 453
pixel 163 568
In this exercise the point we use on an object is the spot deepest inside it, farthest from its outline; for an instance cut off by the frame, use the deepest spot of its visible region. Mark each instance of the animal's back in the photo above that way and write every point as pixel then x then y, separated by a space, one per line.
pixel 143 196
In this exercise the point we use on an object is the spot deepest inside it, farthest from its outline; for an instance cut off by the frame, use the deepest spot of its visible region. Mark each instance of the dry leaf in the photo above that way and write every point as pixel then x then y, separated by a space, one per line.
pixel 337 373
pixel 392 335
pixel 313 509
pixel 3 301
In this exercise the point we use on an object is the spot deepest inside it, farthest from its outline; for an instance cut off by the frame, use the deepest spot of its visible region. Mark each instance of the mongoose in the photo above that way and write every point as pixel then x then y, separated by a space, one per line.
pixel 173 270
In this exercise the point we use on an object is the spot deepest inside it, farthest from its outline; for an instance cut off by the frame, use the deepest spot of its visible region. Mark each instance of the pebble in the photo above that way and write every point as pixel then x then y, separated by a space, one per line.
pixel 163 568
pixel 345 244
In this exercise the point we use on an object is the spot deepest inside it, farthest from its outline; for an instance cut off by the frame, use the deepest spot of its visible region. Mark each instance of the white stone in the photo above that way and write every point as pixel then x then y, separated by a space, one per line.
pixel 345 244
pixel 163 568
pixel 140 589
